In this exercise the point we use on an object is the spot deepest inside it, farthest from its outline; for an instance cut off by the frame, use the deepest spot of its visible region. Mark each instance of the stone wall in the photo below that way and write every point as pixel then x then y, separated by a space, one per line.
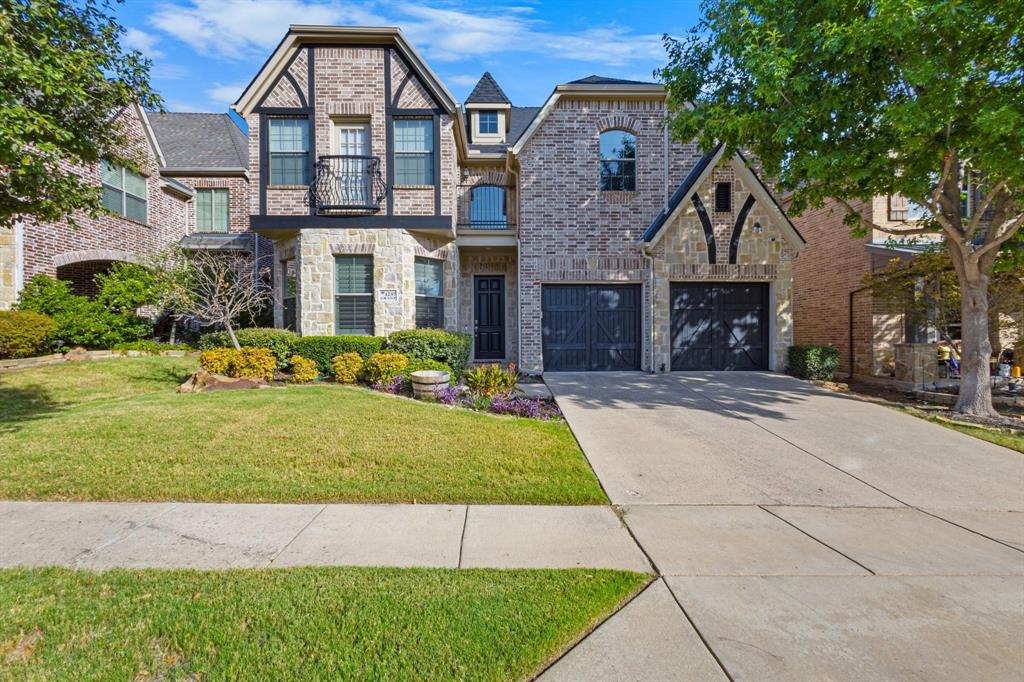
pixel 477 263
pixel 8 267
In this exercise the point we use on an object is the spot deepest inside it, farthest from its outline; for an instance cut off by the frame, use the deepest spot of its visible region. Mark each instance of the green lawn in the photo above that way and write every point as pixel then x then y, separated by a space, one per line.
pixel 301 624
pixel 116 430
pixel 1004 437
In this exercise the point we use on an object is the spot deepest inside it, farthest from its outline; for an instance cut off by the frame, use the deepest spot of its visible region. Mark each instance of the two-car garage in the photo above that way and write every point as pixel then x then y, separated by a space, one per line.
pixel 713 326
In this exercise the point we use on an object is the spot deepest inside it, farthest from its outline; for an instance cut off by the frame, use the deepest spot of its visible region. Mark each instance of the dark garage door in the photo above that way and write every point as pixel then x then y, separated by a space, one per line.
pixel 590 327
pixel 719 326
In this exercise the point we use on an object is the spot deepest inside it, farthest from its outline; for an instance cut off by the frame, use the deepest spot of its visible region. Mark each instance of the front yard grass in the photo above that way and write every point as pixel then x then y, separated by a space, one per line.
pixel 116 430
pixel 306 623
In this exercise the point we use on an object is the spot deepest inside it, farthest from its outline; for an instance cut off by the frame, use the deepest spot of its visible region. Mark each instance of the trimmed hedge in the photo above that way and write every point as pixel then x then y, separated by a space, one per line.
pixel 249 362
pixel 810 361
pixel 451 348
pixel 323 349
pixel 24 333
pixel 419 364
pixel 280 342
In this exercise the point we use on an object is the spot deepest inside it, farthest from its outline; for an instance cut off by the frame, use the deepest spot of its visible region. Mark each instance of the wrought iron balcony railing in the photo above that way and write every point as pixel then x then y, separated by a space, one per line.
pixel 343 184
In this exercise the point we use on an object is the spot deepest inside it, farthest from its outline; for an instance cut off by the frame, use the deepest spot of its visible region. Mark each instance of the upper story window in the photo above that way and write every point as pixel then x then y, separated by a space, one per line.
pixel 124 191
pixel 618 161
pixel 488 122
pixel 211 210
pixel 429 293
pixel 414 151
pixel 487 208
pixel 289 151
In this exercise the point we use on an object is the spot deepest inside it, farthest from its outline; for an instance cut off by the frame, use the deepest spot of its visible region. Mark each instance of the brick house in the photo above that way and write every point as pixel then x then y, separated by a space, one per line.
pixel 571 236
pixel 191 187
pixel 833 306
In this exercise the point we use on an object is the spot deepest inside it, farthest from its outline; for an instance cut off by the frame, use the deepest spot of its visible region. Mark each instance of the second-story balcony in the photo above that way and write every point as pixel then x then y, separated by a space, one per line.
pixel 347 184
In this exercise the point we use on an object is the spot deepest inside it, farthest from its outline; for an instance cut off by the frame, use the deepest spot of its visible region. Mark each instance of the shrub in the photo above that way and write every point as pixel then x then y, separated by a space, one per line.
pixel 417 364
pixel 395 385
pixel 383 367
pixel 128 286
pixel 347 367
pixel 152 347
pixel 280 342
pixel 451 348
pixel 258 363
pixel 532 408
pixel 49 296
pixel 809 361
pixel 492 380
pixel 24 333
pixel 303 370
pixel 217 360
pixel 323 349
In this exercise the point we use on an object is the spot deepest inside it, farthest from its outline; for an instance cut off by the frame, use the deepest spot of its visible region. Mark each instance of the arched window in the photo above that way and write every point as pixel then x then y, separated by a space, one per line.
pixel 487 208
pixel 618 161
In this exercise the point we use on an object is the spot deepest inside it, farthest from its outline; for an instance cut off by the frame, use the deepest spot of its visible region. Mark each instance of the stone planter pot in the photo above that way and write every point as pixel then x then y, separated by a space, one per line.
pixel 427 381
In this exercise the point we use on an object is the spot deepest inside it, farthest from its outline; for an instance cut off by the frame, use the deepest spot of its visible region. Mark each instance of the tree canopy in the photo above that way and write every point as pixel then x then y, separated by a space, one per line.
pixel 64 78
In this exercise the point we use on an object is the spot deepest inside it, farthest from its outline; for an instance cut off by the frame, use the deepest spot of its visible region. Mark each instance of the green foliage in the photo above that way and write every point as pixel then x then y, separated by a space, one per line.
pixel 383 367
pixel 49 296
pixel 347 367
pixel 303 370
pixel 323 349
pixel 258 363
pixel 152 347
pixel 281 342
pixel 492 380
pixel 127 287
pixel 451 348
pixel 24 333
pixel 63 75
pixel 809 361
pixel 419 364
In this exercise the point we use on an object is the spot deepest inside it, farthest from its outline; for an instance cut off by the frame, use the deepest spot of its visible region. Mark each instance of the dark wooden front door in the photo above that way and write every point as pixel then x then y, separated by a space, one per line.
pixel 489 324
pixel 591 327
pixel 719 326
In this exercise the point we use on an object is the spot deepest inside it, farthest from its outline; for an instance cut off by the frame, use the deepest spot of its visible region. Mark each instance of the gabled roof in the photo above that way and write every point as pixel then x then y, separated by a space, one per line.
pixel 299 35
pixel 692 180
pixel 604 80
pixel 487 91
pixel 519 120
pixel 200 141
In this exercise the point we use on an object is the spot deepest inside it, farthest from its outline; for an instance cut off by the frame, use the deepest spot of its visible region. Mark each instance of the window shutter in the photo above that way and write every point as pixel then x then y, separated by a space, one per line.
pixel 723 197
pixel 897 207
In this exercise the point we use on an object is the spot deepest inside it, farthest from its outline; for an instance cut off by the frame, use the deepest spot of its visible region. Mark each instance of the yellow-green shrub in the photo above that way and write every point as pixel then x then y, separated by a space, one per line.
pixel 383 367
pixel 303 370
pixel 217 360
pixel 347 367
pixel 258 363
pixel 492 380
pixel 23 333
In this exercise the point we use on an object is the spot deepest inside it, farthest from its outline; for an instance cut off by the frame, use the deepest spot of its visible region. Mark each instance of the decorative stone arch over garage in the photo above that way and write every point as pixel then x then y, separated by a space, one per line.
pixel 81 267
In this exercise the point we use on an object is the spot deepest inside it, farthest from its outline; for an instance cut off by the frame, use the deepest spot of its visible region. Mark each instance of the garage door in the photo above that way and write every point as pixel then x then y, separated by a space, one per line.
pixel 719 326
pixel 590 327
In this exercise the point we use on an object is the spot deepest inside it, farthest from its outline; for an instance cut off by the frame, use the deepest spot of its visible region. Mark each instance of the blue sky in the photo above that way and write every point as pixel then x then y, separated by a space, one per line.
pixel 205 51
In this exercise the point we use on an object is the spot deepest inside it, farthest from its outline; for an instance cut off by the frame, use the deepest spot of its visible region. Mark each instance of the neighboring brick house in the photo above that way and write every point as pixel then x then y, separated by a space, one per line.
pixel 177 156
pixel 833 305
pixel 570 236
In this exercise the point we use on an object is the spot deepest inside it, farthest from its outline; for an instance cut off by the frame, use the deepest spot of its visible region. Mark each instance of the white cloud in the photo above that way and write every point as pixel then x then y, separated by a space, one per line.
pixel 462 80
pixel 224 93
pixel 169 72
pixel 135 39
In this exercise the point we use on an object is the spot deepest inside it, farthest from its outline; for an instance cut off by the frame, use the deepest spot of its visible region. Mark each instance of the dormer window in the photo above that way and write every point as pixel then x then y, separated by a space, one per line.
pixel 488 122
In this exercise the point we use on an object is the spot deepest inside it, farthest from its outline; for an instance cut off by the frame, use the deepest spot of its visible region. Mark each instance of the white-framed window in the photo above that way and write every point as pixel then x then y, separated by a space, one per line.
pixel 211 209
pixel 414 151
pixel 618 161
pixel 289 151
pixel 353 282
pixel 124 191
pixel 429 293
pixel 488 122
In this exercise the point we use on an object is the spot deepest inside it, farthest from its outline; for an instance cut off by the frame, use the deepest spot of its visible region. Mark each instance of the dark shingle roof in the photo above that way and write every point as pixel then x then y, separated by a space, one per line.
pixel 200 140
pixel 603 80
pixel 217 242
pixel 681 193
pixel 519 119
pixel 487 91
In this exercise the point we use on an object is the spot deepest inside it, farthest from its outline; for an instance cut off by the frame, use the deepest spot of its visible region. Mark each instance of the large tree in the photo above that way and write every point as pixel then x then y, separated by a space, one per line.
pixel 64 78
pixel 852 99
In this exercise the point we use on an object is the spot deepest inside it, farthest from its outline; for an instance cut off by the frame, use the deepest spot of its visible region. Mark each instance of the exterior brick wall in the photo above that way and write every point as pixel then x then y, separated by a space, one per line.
pixel 238 199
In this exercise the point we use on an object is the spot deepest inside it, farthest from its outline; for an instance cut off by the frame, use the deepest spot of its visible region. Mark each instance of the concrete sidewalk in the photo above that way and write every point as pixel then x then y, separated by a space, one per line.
pixel 99 535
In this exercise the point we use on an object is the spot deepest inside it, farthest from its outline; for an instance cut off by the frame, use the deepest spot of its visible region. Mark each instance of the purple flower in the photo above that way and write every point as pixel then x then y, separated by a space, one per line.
pixel 395 386
pixel 531 408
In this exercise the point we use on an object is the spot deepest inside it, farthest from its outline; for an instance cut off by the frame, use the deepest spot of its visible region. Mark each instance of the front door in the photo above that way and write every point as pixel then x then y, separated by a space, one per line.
pixel 353 150
pixel 489 325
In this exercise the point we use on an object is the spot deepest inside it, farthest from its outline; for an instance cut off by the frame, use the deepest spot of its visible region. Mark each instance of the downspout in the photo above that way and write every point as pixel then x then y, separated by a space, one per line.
pixel 664 166
pixel 519 264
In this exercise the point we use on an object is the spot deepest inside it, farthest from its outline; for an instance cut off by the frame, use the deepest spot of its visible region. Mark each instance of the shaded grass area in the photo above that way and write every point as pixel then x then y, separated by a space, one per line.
pixel 115 430
pixel 308 623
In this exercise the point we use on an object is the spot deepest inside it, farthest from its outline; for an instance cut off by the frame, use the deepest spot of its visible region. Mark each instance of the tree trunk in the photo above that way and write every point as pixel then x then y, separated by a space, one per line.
pixel 975 384
pixel 174 329
pixel 234 341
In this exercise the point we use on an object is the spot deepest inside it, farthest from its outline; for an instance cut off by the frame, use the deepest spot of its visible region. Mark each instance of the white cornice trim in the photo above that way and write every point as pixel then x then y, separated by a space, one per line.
pixel 549 105
pixel 685 201
pixel 150 135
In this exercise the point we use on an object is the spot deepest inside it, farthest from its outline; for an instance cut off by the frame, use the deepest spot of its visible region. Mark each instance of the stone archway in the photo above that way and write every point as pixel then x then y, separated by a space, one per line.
pixel 80 268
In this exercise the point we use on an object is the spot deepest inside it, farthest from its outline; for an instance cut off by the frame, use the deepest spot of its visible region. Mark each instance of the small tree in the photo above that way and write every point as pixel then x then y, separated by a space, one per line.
pixel 63 80
pixel 853 99
pixel 215 287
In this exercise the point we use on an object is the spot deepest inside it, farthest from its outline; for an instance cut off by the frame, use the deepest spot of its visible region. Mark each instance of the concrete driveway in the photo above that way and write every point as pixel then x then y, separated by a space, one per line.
pixel 799 534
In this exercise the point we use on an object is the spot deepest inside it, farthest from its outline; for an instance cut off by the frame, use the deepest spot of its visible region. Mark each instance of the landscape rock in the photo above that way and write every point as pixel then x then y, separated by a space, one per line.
pixel 77 354
pixel 202 381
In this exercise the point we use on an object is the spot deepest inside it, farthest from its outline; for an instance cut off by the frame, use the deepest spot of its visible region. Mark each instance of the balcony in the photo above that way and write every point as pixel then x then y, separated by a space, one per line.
pixel 347 185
